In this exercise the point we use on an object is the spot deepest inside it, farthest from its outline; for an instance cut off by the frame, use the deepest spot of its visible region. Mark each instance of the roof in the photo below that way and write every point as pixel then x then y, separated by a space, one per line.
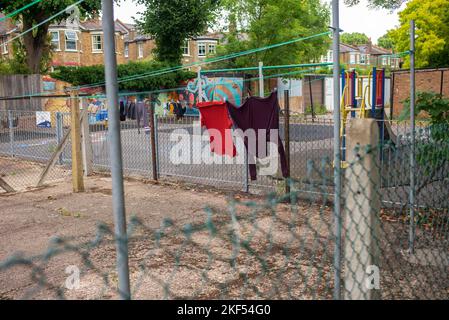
pixel 372 49
pixel 347 48
pixel 6 26
pixel 96 25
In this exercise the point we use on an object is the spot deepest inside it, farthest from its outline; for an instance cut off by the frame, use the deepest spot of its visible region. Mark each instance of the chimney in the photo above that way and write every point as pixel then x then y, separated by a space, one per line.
pixel 369 46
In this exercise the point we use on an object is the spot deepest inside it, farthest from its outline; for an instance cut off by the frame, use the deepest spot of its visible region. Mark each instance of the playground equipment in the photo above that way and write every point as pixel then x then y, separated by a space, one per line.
pixel 364 97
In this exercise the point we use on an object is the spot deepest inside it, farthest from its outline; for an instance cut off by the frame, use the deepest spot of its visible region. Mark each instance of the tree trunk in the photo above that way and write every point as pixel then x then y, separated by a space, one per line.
pixel 34 42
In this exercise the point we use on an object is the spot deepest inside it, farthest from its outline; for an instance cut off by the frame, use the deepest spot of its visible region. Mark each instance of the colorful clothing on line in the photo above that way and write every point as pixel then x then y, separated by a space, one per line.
pixel 259 114
pixel 215 117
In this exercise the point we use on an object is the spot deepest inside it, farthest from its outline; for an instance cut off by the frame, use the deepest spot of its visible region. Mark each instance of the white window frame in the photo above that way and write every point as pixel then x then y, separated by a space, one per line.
pixel 352 58
pixel 140 50
pixel 186 45
pixel 201 45
pixel 58 47
pixel 126 50
pixel 66 39
pixel 210 46
pixel 4 45
pixel 95 42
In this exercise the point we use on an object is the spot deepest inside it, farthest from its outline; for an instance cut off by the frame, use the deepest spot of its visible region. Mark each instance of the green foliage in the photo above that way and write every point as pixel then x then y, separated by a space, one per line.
pixel 171 22
pixel 432 31
pixel 434 153
pixel 382 4
pixel 258 23
pixel 317 110
pixel 78 76
pixel 354 38
pixel 386 41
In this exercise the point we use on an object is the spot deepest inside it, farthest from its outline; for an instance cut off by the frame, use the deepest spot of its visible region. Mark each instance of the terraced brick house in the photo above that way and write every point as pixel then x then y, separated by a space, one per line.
pixel 80 43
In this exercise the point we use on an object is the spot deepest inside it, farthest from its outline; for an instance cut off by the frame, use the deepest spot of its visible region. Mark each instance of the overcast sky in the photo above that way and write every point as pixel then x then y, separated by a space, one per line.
pixel 374 23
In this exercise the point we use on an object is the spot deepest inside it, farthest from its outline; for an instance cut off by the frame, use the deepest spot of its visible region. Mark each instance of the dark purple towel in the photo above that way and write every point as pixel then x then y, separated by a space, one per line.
pixel 259 113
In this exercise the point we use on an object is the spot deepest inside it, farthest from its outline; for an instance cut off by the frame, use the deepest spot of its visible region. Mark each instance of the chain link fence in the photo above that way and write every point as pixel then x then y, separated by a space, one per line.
pixel 27 142
pixel 280 246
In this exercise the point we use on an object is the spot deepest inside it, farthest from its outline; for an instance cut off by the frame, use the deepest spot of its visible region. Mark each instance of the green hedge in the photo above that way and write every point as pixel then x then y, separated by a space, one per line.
pixel 79 76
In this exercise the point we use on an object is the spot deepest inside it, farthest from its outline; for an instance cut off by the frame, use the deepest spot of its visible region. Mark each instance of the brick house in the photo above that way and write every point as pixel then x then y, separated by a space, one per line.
pixel 7 30
pixel 364 56
pixel 80 43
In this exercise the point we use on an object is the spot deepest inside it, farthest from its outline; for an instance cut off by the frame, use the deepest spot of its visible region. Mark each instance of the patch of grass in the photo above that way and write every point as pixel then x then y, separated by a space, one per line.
pixel 67 213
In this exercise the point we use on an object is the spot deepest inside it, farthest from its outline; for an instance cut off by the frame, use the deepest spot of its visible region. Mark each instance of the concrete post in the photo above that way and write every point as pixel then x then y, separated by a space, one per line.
pixel 361 211
pixel 86 143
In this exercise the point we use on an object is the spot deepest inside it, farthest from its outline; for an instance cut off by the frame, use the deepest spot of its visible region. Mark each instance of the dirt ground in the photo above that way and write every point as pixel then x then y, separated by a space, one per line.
pixel 185 242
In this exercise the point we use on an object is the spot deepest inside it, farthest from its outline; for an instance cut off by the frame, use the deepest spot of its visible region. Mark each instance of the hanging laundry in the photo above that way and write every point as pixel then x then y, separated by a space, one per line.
pixel 131 110
pixel 122 111
pixel 215 117
pixel 259 114
pixel 141 115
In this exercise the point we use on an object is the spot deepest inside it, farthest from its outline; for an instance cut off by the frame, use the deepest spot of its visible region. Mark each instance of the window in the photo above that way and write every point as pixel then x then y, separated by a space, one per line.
pixel 352 58
pixel 201 49
pixel 3 45
pixel 140 49
pixel 185 48
pixel 97 44
pixel 364 59
pixel 212 48
pixel 385 61
pixel 70 40
pixel 126 50
pixel 55 40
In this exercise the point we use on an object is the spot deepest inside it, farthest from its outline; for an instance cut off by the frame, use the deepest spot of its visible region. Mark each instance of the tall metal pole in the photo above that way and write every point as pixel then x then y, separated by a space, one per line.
pixel 118 199
pixel 200 86
pixel 337 149
pixel 261 84
pixel 412 128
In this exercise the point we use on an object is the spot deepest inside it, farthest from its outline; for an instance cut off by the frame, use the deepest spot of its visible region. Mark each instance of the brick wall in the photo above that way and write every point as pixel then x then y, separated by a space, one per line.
pixel 426 80
pixel 84 54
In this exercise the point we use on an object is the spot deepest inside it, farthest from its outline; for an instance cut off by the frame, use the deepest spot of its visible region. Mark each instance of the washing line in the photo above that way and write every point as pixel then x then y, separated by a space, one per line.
pixel 44 22
pixel 288 66
pixel 12 14
pixel 206 61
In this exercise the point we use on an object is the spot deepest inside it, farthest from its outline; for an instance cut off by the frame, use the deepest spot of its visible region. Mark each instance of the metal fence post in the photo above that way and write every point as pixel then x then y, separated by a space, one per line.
pixel 153 141
pixel 59 133
pixel 118 198
pixel 87 147
pixel 337 148
pixel 261 80
pixel 412 128
pixel 362 211
pixel 11 132
pixel 287 137
pixel 156 144
pixel 246 173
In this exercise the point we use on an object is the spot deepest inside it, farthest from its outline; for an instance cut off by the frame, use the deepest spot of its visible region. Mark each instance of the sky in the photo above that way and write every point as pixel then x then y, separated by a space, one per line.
pixel 374 23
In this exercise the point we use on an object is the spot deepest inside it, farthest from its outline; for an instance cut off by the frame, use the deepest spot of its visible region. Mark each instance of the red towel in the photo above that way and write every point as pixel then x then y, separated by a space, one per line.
pixel 214 115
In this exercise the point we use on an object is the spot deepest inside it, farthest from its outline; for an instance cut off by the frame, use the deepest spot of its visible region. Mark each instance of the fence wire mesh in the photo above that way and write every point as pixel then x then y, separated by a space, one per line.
pixel 279 246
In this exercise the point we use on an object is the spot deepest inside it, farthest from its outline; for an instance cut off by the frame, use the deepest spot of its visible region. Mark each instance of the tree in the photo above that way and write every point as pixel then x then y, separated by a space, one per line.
pixel 432 31
pixel 171 22
pixel 354 38
pixel 259 23
pixel 379 4
pixel 386 41
pixel 35 43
